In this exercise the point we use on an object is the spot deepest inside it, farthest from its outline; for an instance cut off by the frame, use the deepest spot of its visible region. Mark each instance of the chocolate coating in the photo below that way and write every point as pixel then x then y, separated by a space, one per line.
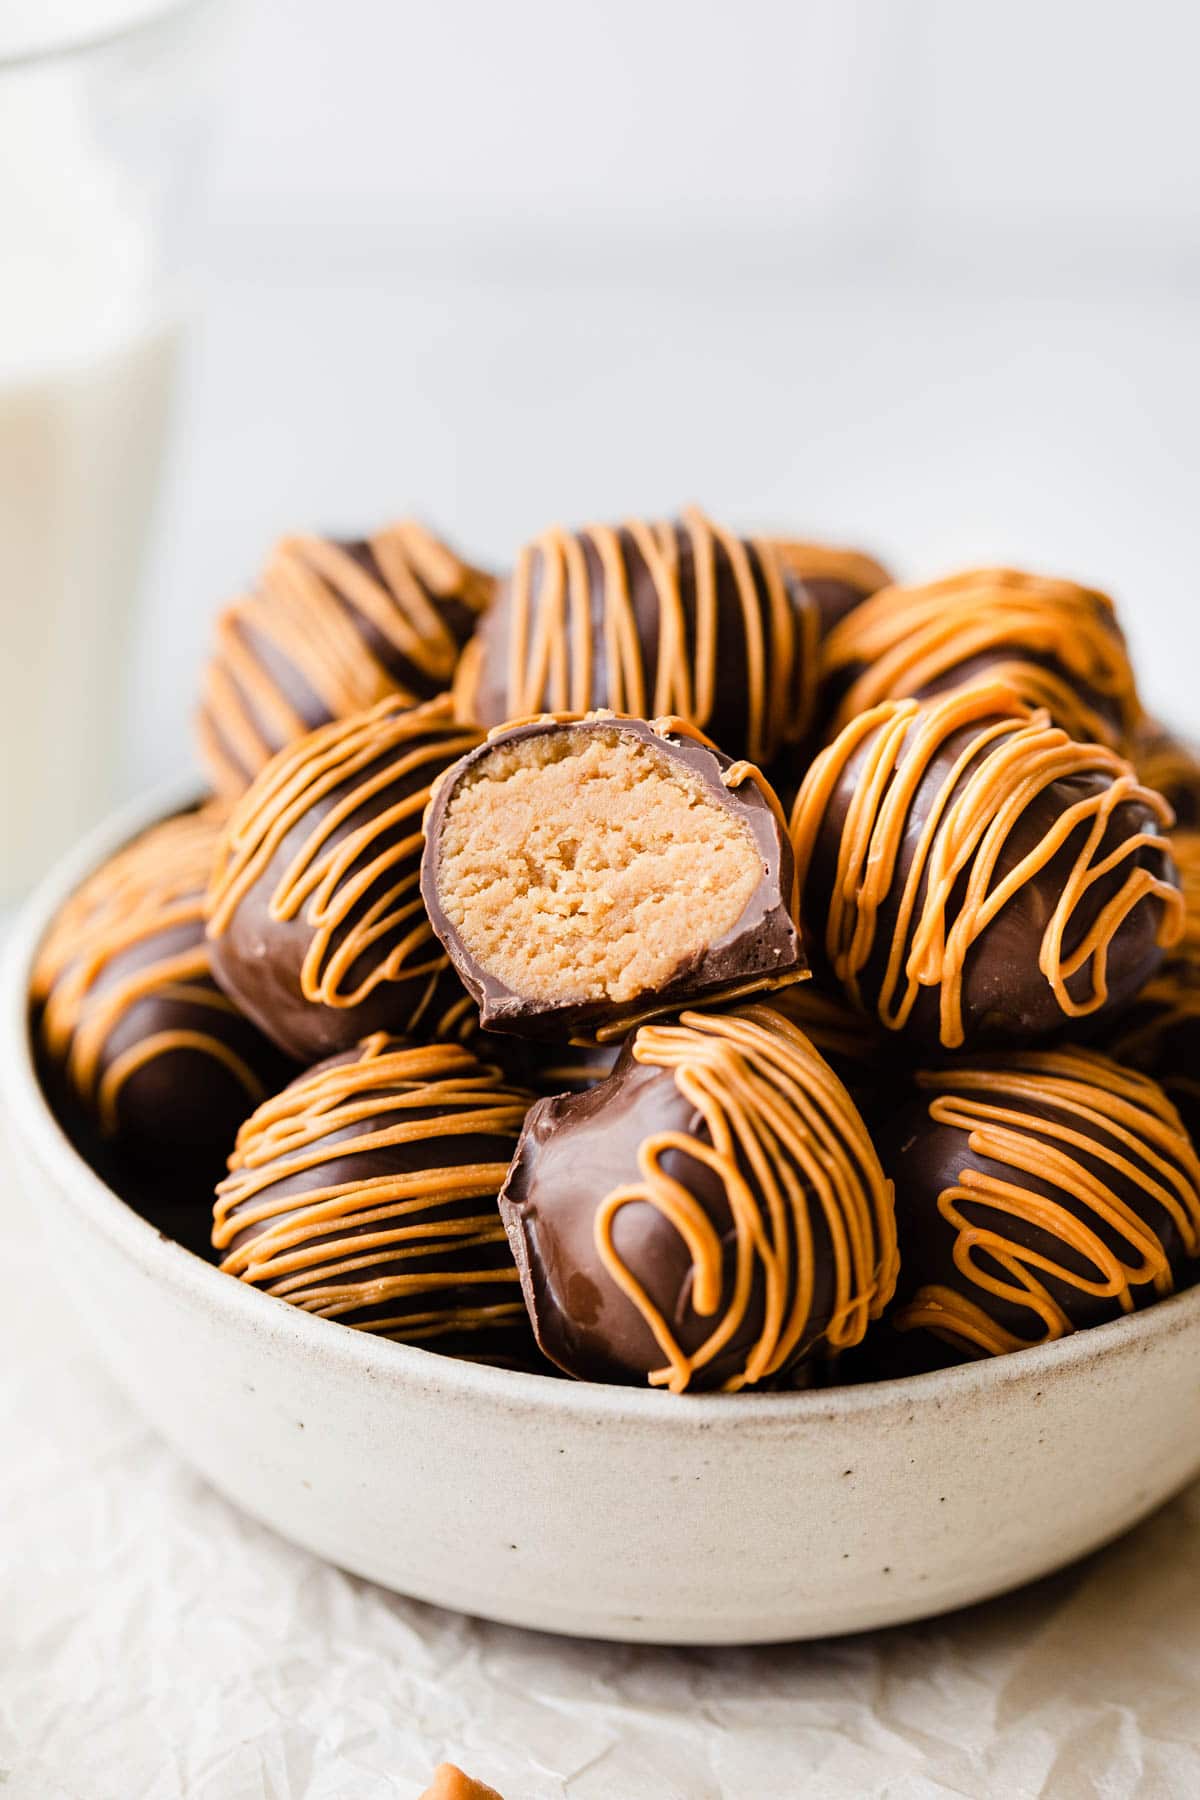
pixel 1038 1193
pixel 366 1192
pixel 1056 644
pixel 762 947
pixel 161 1065
pixel 552 1068
pixel 315 920
pixel 332 627
pixel 719 1145
pixel 971 877
pixel 650 619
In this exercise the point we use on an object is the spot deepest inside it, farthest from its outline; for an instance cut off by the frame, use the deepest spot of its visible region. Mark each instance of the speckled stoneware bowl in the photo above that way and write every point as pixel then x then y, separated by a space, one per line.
pixel 602 1511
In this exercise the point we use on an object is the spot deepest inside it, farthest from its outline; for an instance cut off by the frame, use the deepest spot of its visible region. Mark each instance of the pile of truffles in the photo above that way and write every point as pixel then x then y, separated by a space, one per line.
pixel 692 960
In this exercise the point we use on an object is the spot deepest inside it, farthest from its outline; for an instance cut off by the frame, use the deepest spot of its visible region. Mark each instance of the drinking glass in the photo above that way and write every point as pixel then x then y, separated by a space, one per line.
pixel 101 139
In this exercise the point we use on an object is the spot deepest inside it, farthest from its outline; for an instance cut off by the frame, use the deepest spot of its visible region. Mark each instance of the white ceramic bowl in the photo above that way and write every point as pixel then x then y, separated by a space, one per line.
pixel 599 1511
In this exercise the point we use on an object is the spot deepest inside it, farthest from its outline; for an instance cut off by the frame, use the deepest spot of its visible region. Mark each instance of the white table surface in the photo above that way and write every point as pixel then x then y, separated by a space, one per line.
pixel 157 1645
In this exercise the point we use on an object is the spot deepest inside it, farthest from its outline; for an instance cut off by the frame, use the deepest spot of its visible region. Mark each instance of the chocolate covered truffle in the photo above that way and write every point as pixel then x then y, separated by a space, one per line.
pixel 1036 1193
pixel 1172 767
pixel 316 923
pixel 332 628
pixel 973 876
pixel 650 619
pixel 129 1018
pixel 707 1217
pixel 837 579
pixel 366 1192
pixel 1058 645
pixel 586 872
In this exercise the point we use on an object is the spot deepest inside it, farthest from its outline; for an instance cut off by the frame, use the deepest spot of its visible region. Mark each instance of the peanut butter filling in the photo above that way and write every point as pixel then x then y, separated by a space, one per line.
pixel 585 866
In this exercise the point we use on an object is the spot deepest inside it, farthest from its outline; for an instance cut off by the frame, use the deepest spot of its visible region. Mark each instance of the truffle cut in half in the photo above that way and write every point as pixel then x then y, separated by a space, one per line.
pixel 584 873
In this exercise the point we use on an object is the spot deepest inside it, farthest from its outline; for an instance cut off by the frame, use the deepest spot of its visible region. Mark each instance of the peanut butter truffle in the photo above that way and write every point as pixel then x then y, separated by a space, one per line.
pixel 1037 1193
pixel 366 1192
pixel 158 1059
pixel 707 1217
pixel 315 919
pixel 650 619
pixel 331 628
pixel 972 876
pixel 1056 644
pixel 585 872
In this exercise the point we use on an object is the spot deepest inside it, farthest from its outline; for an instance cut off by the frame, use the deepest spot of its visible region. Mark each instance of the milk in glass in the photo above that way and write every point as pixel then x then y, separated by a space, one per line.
pixel 86 360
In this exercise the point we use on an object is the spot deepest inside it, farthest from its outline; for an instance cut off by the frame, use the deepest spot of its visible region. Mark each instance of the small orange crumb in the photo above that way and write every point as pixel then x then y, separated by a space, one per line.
pixel 449 1783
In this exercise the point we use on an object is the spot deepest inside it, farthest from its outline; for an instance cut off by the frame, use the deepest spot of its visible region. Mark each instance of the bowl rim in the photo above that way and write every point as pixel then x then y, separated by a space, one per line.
pixel 384 1360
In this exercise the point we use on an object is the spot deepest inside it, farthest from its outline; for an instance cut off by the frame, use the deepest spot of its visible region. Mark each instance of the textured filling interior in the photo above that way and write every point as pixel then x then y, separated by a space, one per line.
pixel 588 865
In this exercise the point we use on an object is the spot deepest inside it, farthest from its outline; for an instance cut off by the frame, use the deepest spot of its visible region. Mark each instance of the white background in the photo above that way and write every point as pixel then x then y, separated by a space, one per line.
pixel 924 276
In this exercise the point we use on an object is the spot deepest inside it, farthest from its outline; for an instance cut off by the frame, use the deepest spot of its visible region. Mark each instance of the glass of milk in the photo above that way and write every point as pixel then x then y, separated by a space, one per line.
pixel 102 107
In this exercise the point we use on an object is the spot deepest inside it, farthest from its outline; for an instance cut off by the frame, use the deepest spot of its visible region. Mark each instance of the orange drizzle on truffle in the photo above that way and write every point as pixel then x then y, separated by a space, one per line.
pixel 908 642
pixel 788 1146
pixel 151 890
pixel 810 561
pixel 414 1242
pixel 1110 1118
pixel 317 609
pixel 550 644
pixel 952 889
pixel 356 885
